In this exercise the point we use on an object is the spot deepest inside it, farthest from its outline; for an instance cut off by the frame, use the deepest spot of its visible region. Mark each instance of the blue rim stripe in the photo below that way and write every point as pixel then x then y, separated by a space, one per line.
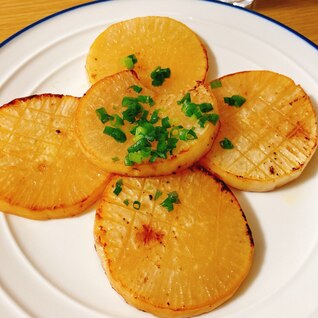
pixel 13 36
pixel 10 38
pixel 271 20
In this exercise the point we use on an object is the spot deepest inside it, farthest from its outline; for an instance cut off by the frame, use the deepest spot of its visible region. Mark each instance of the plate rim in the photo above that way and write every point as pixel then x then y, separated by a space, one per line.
pixel 75 7
pixel 105 1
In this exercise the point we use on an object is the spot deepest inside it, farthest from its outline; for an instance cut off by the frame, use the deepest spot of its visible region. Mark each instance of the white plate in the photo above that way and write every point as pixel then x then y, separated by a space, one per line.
pixel 50 269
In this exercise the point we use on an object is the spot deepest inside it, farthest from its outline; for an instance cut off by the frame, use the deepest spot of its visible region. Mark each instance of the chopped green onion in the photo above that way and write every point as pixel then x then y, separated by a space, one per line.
pixel 128 101
pixel 216 83
pixel 154 117
pixel 187 134
pixel 159 75
pixel 130 61
pixel 118 187
pixel 172 144
pixel 197 113
pixel 135 157
pixel 136 205
pixel 162 146
pixel 136 88
pixel 128 162
pixel 126 202
pixel 158 194
pixel 102 115
pixel 235 100
pixel 117 121
pixel 165 122
pixel 212 118
pixel 116 133
pixel 154 156
pixel 185 98
pixel 146 100
pixel 205 107
pixel 132 112
pixel 147 130
pixel 226 144
pixel 160 133
pixel 188 108
pixel 140 144
pixel 144 115
pixel 170 200
pixel 114 159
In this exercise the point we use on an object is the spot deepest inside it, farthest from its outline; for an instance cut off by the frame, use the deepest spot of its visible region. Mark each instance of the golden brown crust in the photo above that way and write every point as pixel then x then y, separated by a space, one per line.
pixel 38 178
pixel 274 132
pixel 140 250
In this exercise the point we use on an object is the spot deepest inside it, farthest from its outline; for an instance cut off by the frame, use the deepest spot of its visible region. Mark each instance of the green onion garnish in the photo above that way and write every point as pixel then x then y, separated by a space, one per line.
pixel 205 107
pixel 198 111
pixel 185 98
pixel 114 159
pixel 132 112
pixel 136 205
pixel 126 202
pixel 128 162
pixel 133 108
pixel 136 88
pixel 170 200
pixel 130 61
pixel 135 157
pixel 165 122
pixel 216 83
pixel 102 115
pixel 158 194
pixel 188 108
pixel 154 117
pixel 235 100
pixel 116 133
pixel 212 118
pixel 226 144
pixel 159 75
pixel 128 101
pixel 172 144
pixel 117 121
pixel 146 100
pixel 139 145
pixel 118 187
pixel 187 134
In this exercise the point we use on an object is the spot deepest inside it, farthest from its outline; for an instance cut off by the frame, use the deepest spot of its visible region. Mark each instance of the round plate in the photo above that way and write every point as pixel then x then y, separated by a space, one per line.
pixel 50 268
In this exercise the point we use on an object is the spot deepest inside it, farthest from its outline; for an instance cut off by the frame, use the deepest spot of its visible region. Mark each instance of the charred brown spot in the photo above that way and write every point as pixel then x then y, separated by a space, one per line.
pixel 148 234
pixel 249 233
pixel 248 229
pixel 295 100
pixel 224 187
pixel 42 167
pixel 57 131
pixel 272 170
pixel 98 214
pixel 297 131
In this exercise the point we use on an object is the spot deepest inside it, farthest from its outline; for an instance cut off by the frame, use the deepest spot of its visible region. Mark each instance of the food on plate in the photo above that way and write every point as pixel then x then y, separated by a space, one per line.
pixel 166 54
pixel 174 246
pixel 268 130
pixel 128 129
pixel 43 172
